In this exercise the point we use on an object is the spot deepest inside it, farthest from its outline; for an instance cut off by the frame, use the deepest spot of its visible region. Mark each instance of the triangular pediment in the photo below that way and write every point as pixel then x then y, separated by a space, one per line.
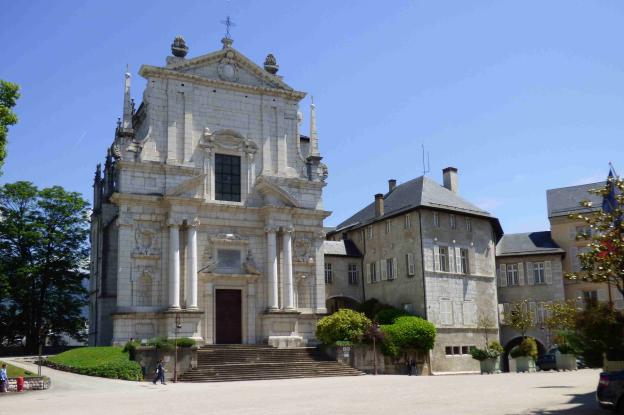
pixel 274 194
pixel 229 65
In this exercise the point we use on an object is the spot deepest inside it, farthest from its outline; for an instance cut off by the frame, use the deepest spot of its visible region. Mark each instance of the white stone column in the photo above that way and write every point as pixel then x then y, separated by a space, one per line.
pixel 191 265
pixel 287 273
pixel 272 269
pixel 174 267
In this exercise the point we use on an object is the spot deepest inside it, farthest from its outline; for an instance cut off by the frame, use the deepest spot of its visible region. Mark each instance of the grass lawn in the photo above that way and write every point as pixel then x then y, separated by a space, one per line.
pixel 106 362
pixel 14 371
pixel 83 357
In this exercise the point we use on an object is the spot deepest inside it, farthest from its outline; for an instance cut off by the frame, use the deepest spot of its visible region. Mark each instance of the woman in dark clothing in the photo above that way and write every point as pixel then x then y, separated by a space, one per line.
pixel 160 373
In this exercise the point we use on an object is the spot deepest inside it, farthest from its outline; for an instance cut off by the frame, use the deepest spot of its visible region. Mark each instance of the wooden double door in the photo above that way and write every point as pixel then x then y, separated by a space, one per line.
pixel 228 317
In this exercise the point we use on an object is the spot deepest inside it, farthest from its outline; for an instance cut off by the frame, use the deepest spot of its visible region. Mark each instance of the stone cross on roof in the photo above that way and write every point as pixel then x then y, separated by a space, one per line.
pixel 228 24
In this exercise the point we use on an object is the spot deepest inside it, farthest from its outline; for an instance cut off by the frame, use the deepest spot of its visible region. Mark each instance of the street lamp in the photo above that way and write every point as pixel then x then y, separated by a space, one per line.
pixel 178 326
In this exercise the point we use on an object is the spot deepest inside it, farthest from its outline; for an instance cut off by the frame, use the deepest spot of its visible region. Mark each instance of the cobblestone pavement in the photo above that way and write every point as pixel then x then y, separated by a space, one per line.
pixel 552 393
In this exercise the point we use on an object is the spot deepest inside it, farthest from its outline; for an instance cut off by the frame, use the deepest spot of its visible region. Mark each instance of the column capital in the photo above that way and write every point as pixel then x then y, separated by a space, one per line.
pixel 270 229
pixel 171 222
pixel 193 223
pixel 288 229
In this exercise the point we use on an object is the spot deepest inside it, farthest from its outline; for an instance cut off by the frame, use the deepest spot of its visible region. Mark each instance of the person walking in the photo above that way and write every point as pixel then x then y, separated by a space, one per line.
pixel 160 373
pixel 4 379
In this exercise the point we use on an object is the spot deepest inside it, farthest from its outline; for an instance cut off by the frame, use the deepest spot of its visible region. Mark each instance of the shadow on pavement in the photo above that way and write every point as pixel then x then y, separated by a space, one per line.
pixel 584 404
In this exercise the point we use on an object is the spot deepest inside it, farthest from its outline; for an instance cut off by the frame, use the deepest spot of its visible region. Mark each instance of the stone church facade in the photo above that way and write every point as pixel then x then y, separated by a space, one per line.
pixel 209 209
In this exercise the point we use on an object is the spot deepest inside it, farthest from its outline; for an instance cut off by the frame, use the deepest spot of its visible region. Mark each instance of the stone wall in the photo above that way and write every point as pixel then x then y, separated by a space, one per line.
pixel 148 358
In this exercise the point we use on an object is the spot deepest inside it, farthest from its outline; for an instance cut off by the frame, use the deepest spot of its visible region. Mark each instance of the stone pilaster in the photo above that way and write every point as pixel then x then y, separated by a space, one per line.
pixel 287 271
pixel 174 266
pixel 191 265
pixel 272 296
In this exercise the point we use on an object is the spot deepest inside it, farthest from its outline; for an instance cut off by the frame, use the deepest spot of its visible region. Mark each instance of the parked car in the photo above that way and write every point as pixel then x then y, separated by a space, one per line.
pixel 547 361
pixel 610 391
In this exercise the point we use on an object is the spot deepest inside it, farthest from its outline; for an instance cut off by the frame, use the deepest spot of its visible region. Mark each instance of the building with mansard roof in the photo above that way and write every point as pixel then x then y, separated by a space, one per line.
pixel 209 207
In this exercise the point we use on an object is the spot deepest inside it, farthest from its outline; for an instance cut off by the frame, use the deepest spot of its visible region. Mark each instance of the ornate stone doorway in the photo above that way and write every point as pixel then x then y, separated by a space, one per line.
pixel 228 317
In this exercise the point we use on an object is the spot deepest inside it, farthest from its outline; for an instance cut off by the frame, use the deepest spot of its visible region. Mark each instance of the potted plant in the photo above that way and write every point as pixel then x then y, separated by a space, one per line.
pixel 565 357
pixel 524 355
pixel 489 358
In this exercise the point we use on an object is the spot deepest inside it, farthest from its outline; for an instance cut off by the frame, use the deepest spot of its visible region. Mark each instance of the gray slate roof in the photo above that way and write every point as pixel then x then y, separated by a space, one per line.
pixel 565 200
pixel 419 192
pixel 531 243
pixel 341 248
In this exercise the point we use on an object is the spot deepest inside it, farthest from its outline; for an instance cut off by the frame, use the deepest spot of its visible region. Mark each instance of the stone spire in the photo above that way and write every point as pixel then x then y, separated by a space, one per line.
pixel 314 151
pixel 127 107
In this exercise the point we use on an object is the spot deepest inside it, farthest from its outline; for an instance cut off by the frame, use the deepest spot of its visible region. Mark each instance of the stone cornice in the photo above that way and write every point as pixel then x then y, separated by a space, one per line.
pixel 148 71
pixel 156 166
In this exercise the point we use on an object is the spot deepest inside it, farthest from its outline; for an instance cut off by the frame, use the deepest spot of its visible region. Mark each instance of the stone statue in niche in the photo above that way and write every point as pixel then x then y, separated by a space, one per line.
pixel 303 250
pixel 250 265
pixel 146 241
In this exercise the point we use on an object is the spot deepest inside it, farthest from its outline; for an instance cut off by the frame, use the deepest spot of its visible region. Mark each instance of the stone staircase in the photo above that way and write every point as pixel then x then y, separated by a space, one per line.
pixel 224 363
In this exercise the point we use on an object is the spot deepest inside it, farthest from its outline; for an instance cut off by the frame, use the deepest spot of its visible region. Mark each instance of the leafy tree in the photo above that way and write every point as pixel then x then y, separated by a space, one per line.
pixel 409 332
pixel 520 317
pixel 9 93
pixel 560 320
pixel 43 256
pixel 604 260
pixel 599 329
pixel 344 324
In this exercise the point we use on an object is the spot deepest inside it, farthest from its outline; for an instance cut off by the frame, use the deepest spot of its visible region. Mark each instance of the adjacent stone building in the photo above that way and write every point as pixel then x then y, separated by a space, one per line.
pixel 565 201
pixel 427 250
pixel 529 268
pixel 209 208
pixel 343 275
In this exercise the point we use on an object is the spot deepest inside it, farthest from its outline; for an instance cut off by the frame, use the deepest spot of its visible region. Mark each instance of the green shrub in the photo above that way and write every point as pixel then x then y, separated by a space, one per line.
pixel 345 324
pixel 409 332
pixel 389 315
pixel 528 348
pixel 495 347
pixel 491 351
pixel 130 348
pixel 479 354
pixel 372 307
pixel 185 342
pixel 108 362
pixel 161 344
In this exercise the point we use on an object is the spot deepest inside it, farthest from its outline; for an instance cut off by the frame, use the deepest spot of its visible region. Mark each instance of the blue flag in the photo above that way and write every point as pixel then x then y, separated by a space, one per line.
pixel 609 202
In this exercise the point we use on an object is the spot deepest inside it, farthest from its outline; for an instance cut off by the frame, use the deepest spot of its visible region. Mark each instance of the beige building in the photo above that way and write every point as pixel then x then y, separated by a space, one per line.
pixel 343 275
pixel 427 250
pixel 529 268
pixel 563 202
pixel 209 208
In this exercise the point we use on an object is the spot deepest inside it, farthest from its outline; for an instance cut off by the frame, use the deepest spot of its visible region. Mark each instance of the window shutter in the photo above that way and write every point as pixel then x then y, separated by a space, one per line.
pixel 367 271
pixel 501 314
pixel 436 258
pixel 602 294
pixel 533 311
pixel 383 270
pixel 548 272
pixel 411 270
pixel 458 268
pixel 520 273
pixel 530 276
pixel 472 262
pixel 502 280
pixel 394 268
pixel 451 259
pixel 458 312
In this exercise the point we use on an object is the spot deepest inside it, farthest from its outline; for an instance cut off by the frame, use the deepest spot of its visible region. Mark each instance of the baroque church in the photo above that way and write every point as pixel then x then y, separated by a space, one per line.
pixel 208 213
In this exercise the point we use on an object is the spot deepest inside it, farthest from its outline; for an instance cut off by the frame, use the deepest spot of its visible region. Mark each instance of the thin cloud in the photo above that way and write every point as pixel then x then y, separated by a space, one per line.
pixel 490 203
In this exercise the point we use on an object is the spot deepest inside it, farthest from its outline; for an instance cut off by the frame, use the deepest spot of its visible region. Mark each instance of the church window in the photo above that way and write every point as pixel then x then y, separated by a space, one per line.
pixel 229 261
pixel 144 290
pixel 353 274
pixel 227 178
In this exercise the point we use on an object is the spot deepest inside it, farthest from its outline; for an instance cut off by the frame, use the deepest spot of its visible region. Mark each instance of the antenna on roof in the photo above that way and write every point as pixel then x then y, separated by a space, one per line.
pixel 426 167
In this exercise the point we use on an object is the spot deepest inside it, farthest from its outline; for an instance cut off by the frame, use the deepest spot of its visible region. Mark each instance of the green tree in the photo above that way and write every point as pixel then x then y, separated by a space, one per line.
pixel 43 260
pixel 344 324
pixel 604 260
pixel 560 320
pixel 599 329
pixel 520 317
pixel 9 93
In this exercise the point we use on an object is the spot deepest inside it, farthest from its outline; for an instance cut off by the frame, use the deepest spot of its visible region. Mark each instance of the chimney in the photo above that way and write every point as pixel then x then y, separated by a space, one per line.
pixel 391 185
pixel 449 176
pixel 379 205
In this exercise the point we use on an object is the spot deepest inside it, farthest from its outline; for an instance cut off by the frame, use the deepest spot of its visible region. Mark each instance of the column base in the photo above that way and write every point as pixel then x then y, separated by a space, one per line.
pixel 174 308
pixel 272 310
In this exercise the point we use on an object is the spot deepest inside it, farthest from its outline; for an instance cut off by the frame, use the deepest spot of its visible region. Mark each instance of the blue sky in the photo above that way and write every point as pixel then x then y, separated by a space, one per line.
pixel 520 96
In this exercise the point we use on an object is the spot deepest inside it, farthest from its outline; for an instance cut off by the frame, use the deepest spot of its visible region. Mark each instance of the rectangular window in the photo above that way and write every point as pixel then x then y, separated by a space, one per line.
pixel 463 254
pixel 390 268
pixel 388 226
pixel 228 261
pixel 512 274
pixel 444 258
pixel 538 273
pixel 370 232
pixel 590 298
pixel 446 312
pixel 353 274
pixel 329 276
pixel 227 177
pixel 411 268
pixel 373 271
pixel 448 350
pixel 456 350
pixel 468 225
pixel 436 219
pixel 540 315
pixel 408 221
pixel 452 221
pixel 465 349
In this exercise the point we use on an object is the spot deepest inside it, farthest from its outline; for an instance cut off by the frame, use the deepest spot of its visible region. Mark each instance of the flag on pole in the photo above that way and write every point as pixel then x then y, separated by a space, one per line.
pixel 609 201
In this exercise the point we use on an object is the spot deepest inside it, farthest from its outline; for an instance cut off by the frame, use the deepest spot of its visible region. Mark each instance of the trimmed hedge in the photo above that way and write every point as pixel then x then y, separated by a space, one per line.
pixel 107 362
pixel 408 332
pixel 344 324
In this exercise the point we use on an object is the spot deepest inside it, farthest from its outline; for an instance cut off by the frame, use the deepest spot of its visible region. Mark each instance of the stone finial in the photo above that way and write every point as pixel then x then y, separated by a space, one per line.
pixel 270 64
pixel 227 42
pixel 178 47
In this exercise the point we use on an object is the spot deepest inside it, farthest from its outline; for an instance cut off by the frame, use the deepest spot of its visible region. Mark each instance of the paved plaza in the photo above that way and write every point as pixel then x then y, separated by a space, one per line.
pixel 538 393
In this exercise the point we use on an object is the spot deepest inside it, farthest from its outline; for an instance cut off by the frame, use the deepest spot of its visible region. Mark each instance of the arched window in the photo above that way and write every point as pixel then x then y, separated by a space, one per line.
pixel 144 290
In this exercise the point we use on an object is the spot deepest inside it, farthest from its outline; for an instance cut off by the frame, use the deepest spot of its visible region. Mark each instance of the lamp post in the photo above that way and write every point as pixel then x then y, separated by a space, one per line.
pixel 178 326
